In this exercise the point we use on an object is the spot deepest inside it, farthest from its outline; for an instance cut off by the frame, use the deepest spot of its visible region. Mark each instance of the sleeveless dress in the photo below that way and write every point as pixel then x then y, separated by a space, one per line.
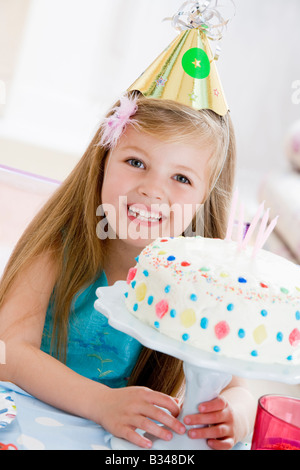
pixel 95 350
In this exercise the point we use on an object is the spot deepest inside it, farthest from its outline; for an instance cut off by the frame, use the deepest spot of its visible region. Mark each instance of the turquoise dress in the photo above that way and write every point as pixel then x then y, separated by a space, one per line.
pixel 95 350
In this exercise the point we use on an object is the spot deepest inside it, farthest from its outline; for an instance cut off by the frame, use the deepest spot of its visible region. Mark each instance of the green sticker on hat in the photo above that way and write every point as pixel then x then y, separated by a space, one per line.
pixel 195 63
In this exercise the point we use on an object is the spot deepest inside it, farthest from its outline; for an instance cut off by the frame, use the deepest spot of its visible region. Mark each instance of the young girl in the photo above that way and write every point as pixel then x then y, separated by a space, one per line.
pixel 58 347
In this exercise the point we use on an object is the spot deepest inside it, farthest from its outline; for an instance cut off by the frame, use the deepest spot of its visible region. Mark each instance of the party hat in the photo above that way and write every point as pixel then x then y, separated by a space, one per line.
pixel 186 71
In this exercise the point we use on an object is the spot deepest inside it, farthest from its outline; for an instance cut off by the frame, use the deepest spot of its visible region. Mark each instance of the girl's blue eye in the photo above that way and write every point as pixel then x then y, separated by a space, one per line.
pixel 182 179
pixel 135 162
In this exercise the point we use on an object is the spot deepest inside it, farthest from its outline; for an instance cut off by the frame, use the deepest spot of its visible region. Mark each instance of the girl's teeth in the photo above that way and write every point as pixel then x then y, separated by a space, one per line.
pixel 144 215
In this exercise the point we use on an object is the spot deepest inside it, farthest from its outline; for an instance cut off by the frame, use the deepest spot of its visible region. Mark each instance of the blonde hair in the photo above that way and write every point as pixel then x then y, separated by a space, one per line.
pixel 66 225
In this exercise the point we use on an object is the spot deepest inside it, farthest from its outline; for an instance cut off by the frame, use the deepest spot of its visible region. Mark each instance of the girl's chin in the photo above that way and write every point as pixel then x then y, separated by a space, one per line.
pixel 143 238
pixel 140 233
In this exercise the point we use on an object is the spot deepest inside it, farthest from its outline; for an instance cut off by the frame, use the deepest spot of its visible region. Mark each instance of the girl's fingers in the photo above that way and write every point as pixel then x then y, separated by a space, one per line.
pixel 165 401
pixel 220 431
pixel 213 412
pixel 166 419
pixel 204 419
pixel 217 404
pixel 137 439
pixel 146 395
pixel 154 429
pixel 221 444
pixel 150 428
pixel 156 405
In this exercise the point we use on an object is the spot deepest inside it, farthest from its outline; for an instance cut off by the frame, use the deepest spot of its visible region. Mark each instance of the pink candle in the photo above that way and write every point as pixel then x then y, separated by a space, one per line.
pixel 253 225
pixel 241 227
pixel 261 232
pixel 269 231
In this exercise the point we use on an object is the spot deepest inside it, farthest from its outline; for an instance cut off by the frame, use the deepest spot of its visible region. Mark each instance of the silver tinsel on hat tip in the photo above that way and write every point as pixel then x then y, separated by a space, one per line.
pixel 204 15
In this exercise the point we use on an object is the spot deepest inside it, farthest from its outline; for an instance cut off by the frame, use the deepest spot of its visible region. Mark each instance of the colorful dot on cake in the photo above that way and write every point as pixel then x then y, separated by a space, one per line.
pixel 264 286
pixel 173 313
pixel 167 289
pixel 260 334
pixel 230 307
pixel 146 273
pixel 135 307
pixel 241 333
pixel 140 292
pixel 205 269
pixel 161 308
pixel 264 313
pixel 185 264
pixel 279 337
pixel 284 290
pixel 164 240
pixel 289 358
pixel 254 353
pixel 193 297
pixel 126 294
pixel 162 253
pixel 185 337
pixel 131 275
pixel 242 280
pixel 188 318
pixel 204 323
pixel 156 324
pixel 133 284
pixel 297 315
pixel 171 258
pixel 224 275
pixel 222 329
pixel 294 337
pixel 150 300
pixel 216 349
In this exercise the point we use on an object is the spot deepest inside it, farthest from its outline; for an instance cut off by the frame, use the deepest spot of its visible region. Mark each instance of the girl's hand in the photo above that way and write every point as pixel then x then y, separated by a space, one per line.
pixel 127 409
pixel 219 420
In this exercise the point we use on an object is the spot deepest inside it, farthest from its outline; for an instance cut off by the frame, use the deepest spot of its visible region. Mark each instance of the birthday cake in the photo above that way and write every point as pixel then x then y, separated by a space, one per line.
pixel 211 295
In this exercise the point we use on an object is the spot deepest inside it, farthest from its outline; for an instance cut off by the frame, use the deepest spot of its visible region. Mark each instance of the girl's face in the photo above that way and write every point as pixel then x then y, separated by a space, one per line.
pixel 153 188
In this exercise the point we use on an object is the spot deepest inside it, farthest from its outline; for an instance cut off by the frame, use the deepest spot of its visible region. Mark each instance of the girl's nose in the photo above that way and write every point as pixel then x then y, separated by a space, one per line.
pixel 152 188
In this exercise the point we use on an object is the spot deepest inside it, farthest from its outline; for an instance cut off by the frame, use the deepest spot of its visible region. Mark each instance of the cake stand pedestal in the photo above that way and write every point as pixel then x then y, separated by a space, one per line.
pixel 206 374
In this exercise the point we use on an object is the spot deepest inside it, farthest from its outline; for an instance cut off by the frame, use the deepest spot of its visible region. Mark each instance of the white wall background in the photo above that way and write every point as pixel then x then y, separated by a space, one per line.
pixel 74 58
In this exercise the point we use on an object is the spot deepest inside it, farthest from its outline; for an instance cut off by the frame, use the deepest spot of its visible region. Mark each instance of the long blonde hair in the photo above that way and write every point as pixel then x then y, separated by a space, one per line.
pixel 66 225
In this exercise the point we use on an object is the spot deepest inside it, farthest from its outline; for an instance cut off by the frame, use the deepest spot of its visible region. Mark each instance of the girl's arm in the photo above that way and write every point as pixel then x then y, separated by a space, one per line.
pixel 120 411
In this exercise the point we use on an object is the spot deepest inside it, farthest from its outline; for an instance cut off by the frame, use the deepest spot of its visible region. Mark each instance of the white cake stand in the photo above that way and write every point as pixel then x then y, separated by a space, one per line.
pixel 206 374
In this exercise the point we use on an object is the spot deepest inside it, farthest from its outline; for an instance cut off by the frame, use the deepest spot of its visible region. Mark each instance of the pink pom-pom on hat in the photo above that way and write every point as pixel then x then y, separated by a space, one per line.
pixel 115 125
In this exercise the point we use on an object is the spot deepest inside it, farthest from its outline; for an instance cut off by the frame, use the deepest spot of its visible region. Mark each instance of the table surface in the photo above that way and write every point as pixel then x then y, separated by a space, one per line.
pixel 39 426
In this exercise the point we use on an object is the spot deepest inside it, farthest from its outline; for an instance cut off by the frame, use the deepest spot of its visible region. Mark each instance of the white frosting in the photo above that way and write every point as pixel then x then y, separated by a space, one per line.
pixel 209 294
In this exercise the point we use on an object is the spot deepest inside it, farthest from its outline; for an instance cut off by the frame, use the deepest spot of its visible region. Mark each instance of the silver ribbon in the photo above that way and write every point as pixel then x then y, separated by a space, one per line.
pixel 205 16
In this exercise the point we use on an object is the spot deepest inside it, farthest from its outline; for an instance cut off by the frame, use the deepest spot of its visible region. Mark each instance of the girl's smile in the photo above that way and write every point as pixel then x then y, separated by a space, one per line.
pixel 140 214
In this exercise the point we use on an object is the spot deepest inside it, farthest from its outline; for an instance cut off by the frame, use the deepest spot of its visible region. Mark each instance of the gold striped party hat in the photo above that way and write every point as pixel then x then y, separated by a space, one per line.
pixel 186 71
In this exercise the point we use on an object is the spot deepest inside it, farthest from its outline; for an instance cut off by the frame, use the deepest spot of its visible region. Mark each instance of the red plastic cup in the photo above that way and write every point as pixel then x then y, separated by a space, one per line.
pixel 277 424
